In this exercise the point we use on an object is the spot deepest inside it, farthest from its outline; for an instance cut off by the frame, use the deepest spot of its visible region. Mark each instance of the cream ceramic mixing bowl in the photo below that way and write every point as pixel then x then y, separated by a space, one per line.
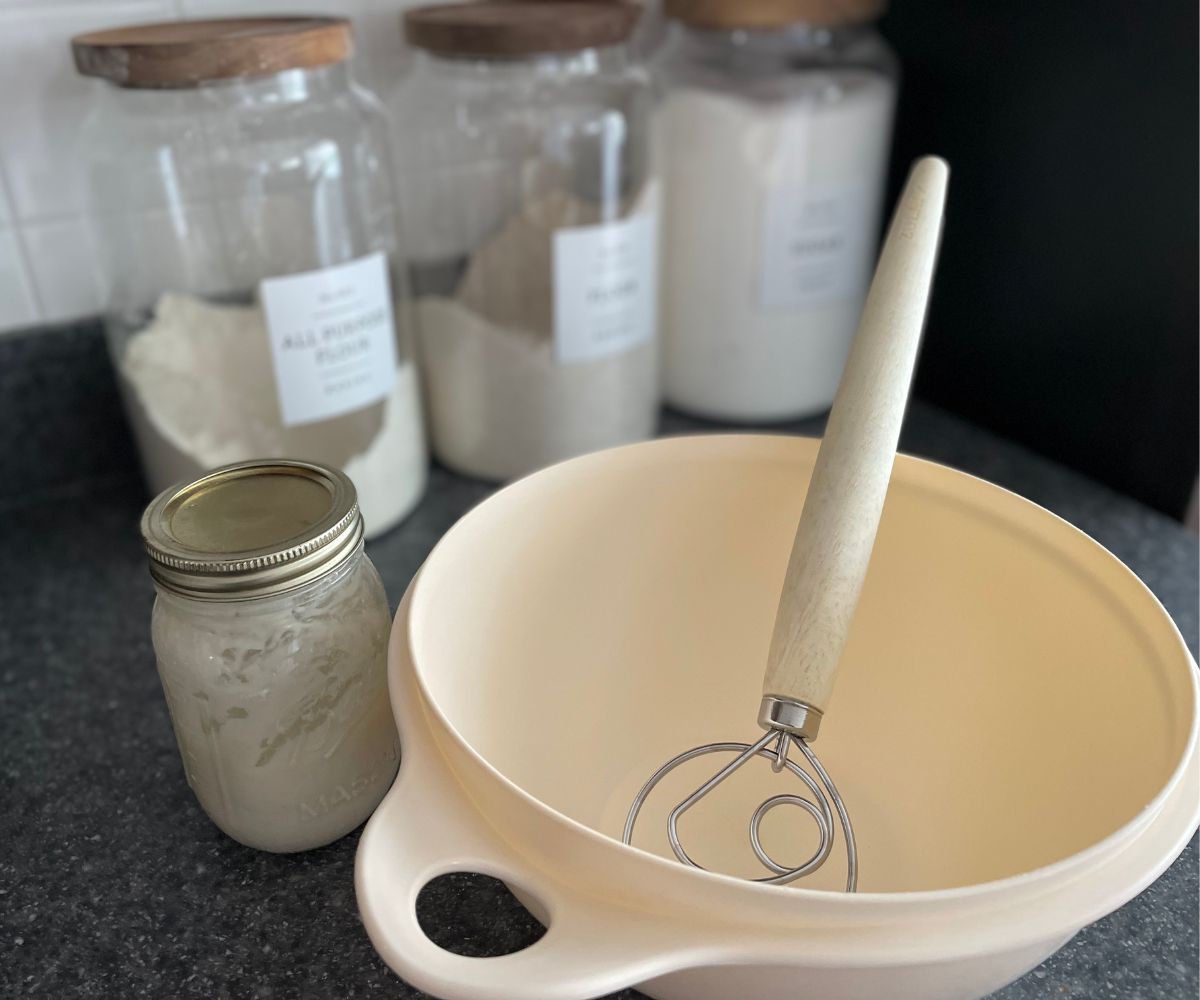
pixel 1013 730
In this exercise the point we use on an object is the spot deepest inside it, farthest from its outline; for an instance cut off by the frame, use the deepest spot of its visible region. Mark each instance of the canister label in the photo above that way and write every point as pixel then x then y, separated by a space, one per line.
pixel 814 245
pixel 333 339
pixel 605 287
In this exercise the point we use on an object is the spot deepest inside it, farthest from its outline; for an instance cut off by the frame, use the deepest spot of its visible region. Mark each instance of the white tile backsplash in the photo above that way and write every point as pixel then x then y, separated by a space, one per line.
pixel 18 306
pixel 63 268
pixel 46 267
pixel 6 212
pixel 46 100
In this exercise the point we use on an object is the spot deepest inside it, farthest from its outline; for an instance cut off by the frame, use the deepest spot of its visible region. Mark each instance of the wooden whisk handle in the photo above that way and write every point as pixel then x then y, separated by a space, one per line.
pixel 849 482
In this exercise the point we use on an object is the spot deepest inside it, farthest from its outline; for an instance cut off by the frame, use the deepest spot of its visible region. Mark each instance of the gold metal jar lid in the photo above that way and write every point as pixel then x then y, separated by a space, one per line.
pixel 252 529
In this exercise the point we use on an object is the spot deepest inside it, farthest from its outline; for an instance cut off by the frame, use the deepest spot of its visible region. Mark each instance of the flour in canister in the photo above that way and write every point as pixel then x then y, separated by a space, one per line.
pixel 502 399
pixel 501 404
pixel 770 216
pixel 201 392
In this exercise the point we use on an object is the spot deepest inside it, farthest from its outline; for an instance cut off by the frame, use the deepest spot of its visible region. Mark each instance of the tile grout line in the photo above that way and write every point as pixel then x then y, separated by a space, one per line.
pixel 17 225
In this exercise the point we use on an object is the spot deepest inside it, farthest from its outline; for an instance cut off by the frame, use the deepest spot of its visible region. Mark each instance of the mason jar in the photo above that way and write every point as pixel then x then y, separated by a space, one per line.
pixel 775 125
pixel 270 630
pixel 531 199
pixel 244 217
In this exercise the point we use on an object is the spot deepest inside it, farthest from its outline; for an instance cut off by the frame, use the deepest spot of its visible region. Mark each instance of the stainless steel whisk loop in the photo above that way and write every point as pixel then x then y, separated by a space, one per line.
pixel 824 802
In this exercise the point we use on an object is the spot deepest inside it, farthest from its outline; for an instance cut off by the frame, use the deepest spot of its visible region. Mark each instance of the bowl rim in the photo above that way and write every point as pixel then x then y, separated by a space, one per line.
pixel 943 476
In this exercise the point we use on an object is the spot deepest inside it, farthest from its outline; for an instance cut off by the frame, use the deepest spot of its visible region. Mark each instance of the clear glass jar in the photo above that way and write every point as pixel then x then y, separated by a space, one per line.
pixel 244 215
pixel 531 201
pixel 774 136
pixel 274 668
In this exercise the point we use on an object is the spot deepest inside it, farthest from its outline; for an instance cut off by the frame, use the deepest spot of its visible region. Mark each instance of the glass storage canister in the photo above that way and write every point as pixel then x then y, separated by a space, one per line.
pixel 244 216
pixel 774 126
pixel 270 629
pixel 530 192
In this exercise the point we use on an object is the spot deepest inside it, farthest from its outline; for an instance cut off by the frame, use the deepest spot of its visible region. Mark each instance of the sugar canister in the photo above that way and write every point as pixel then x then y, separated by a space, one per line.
pixel 270 630
pixel 247 233
pixel 775 124
pixel 531 203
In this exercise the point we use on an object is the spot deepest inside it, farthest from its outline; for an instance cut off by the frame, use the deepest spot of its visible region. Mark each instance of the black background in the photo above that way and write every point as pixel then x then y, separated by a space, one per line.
pixel 1065 311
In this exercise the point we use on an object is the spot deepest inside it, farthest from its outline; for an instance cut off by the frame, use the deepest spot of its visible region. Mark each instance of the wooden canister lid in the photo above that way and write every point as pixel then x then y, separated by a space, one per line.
pixel 500 28
pixel 186 53
pixel 767 14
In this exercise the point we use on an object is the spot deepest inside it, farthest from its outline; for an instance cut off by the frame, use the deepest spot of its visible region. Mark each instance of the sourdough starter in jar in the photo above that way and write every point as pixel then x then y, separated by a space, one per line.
pixel 270 630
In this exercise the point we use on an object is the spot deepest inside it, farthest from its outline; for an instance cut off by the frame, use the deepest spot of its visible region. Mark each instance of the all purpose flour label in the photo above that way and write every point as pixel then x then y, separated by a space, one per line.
pixel 333 341
pixel 605 287
pixel 812 245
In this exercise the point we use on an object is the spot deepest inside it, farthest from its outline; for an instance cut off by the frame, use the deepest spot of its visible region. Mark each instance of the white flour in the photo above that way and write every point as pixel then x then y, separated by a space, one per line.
pixel 501 401
pixel 200 392
pixel 390 474
pixel 500 404
pixel 770 219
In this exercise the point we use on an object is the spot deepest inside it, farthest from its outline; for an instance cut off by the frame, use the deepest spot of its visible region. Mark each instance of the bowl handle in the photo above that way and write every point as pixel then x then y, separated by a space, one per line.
pixel 426 827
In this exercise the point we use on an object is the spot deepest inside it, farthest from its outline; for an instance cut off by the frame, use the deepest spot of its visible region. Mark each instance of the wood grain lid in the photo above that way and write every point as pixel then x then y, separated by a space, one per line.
pixel 768 14
pixel 511 28
pixel 186 53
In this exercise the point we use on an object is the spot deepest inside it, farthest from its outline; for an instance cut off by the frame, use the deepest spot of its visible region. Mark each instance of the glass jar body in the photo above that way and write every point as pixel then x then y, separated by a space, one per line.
pixel 280 706
pixel 256 302
pixel 775 148
pixel 530 191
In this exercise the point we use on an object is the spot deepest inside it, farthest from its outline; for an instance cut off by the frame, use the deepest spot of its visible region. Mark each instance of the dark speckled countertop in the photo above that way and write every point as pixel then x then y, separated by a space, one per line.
pixel 113 884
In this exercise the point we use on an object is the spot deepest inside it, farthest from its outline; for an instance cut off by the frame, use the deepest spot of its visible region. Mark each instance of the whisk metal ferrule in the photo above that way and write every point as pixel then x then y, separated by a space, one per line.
pixel 790 716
